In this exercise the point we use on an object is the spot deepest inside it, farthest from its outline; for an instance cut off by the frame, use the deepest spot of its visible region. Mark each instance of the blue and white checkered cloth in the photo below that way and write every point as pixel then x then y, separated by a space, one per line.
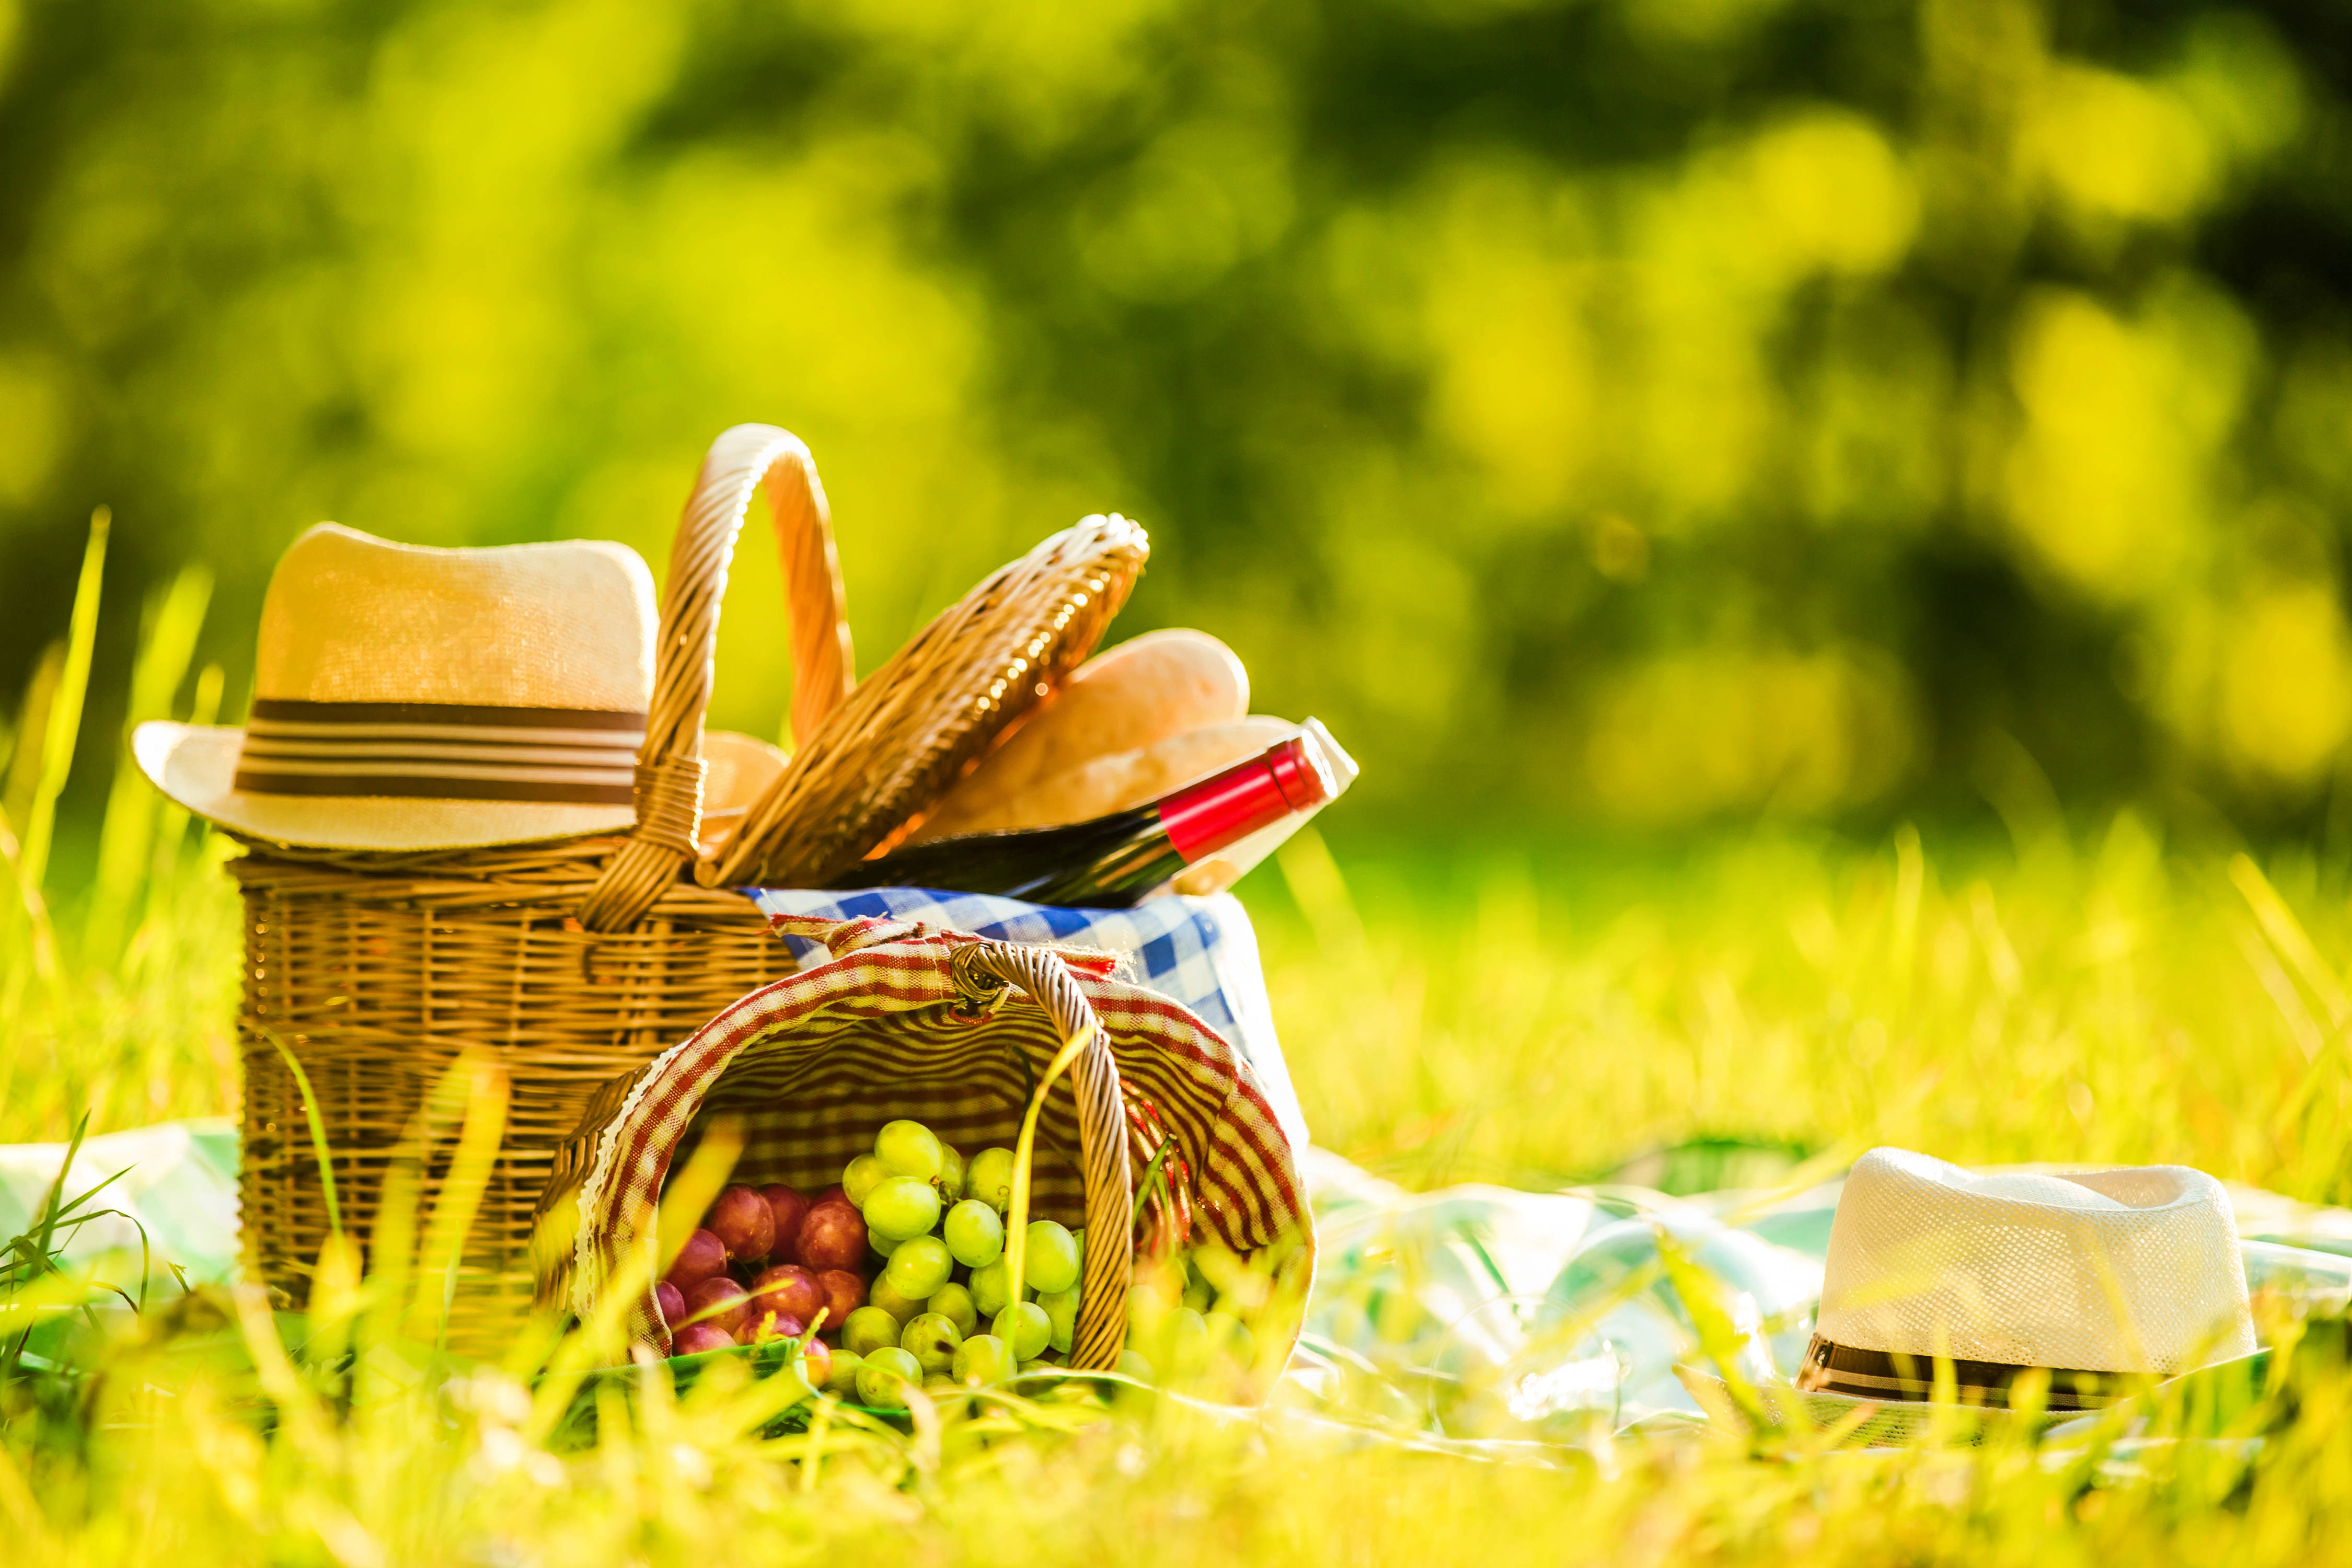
pixel 1201 953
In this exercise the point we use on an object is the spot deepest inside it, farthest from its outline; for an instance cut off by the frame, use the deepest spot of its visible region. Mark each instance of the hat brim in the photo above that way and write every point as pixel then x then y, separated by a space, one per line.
pixel 1890 1423
pixel 1893 1423
pixel 196 766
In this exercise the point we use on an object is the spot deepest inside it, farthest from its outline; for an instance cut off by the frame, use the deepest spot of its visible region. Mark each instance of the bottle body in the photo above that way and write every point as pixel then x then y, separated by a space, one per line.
pixel 1114 861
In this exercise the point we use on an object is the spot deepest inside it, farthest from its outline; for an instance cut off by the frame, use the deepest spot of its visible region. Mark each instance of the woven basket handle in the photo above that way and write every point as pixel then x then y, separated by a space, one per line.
pixel 670 766
pixel 982 970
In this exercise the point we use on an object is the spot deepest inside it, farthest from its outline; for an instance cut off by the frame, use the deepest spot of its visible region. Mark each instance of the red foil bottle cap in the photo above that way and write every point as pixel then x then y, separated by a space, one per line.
pixel 1299 775
pixel 1227 807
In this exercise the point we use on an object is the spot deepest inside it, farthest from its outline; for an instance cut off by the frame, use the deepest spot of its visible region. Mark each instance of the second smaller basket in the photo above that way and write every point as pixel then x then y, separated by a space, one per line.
pixel 909 1020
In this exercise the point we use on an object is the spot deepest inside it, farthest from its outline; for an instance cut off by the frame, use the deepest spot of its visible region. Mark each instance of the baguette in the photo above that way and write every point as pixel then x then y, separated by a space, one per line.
pixel 1146 690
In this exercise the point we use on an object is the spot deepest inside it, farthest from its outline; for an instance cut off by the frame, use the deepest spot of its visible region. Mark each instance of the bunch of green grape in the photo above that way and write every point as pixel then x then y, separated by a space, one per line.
pixel 939 1223
pixel 902 1264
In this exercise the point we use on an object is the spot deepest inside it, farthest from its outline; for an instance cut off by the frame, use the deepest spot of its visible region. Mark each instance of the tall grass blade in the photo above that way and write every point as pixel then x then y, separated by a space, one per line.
pixel 31 727
pixel 64 723
pixel 602 1339
pixel 461 1191
pixel 2286 933
pixel 35 1249
pixel 167 643
pixel 318 1131
pixel 24 919
pixel 1719 1338
pixel 26 911
pixel 1016 1220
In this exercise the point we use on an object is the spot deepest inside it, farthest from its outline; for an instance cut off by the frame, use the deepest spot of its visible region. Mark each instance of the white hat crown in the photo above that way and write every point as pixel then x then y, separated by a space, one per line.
pixel 2127 1271
pixel 349 618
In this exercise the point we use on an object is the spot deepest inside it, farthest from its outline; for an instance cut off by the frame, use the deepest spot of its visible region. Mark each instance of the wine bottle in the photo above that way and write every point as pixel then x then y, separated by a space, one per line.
pixel 1114 861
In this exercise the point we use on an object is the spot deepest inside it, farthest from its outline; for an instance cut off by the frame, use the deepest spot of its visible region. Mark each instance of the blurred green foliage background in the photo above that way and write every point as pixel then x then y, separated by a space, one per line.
pixel 1613 412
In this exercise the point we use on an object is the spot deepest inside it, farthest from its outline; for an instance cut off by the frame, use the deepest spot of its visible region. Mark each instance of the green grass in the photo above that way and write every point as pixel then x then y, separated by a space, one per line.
pixel 2103 1002
pixel 1535 1021
pixel 1518 1016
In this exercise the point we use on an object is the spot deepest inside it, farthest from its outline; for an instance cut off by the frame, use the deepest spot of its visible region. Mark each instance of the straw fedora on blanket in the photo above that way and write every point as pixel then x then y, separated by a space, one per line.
pixel 412 699
pixel 2103 1281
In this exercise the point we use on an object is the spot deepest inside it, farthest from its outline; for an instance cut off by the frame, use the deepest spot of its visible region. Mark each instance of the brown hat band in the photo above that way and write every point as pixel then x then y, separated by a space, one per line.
pixel 442 750
pixel 1833 1368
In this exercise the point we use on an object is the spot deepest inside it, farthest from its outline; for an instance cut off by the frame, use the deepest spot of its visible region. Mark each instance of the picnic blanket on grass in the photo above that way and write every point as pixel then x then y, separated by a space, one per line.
pixel 1488 1312
pixel 1470 1313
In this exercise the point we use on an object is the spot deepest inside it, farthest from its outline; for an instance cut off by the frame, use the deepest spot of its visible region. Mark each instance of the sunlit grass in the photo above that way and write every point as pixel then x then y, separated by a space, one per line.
pixel 200 1458
pixel 116 1000
pixel 1522 1015
pixel 1513 1019
pixel 2101 1000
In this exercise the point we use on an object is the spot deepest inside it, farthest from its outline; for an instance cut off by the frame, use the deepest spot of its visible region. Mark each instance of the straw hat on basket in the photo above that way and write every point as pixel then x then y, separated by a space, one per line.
pixel 412 699
pixel 2102 1282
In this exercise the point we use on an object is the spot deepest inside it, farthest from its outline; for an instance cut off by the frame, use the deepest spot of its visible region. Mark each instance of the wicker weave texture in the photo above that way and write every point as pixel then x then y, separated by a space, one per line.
pixel 912 729
pixel 376 984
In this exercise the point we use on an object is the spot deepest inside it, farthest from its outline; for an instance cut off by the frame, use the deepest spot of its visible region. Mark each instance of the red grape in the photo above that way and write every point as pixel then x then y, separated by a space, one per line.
pixel 831 1237
pixel 729 1305
pixel 696 1337
pixel 741 1219
pixel 816 1364
pixel 789 1207
pixel 704 1257
pixel 832 1192
pixel 844 1293
pixel 788 1289
pixel 767 1324
pixel 672 1302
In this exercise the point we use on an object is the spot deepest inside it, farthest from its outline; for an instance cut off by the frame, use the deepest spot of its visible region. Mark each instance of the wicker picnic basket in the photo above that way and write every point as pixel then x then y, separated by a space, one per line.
pixel 367 976
pixel 956 1030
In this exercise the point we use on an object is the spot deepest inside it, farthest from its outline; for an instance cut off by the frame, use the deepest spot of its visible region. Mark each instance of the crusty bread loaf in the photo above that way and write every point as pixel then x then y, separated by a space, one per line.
pixel 737 770
pixel 1125 779
pixel 1131 697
